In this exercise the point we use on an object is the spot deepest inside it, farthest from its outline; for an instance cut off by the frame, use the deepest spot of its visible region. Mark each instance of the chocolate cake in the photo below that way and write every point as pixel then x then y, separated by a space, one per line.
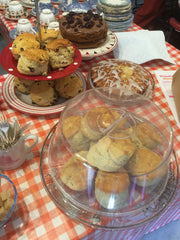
pixel 85 30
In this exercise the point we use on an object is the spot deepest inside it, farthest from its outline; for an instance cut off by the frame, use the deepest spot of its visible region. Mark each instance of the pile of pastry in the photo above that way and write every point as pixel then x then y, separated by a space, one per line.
pixel 33 59
pixel 47 93
pixel 109 155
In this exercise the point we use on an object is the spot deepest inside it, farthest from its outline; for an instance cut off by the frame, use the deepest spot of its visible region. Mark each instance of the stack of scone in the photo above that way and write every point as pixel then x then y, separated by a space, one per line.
pixel 113 154
pixel 33 59
pixel 47 93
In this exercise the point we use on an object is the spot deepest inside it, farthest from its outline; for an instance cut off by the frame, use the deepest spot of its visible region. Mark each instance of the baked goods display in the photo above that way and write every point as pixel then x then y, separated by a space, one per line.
pixel 84 30
pixel 49 93
pixel 34 58
pixel 112 159
pixel 121 74
pixel 123 152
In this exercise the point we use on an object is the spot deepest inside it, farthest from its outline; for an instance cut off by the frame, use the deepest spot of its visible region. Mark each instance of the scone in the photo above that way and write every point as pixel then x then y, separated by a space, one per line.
pixel 72 131
pixel 75 174
pixel 48 35
pixel 61 53
pixel 148 135
pixel 69 86
pixel 111 189
pixel 110 154
pixel 23 85
pixel 143 166
pixel 43 94
pixel 23 42
pixel 96 121
pixel 33 62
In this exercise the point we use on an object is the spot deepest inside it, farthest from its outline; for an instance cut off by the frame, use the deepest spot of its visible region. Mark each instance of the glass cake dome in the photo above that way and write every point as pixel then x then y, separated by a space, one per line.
pixel 109 156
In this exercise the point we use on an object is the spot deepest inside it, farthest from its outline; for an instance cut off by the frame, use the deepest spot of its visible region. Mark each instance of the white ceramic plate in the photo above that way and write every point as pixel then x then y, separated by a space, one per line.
pixel 104 48
pixel 23 102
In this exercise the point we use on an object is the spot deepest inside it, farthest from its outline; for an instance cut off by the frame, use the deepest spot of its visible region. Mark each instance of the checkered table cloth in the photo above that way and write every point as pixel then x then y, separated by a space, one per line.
pixel 36 216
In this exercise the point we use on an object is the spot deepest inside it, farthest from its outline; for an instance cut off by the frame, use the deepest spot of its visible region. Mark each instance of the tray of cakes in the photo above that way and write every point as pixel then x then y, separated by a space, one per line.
pixel 41 75
pixel 56 57
pixel 107 163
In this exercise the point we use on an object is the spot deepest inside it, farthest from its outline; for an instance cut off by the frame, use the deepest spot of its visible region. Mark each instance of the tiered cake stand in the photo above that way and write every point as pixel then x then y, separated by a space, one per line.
pixel 23 102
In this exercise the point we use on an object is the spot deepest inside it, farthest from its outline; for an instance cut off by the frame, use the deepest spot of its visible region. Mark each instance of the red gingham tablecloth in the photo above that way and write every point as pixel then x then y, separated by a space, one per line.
pixel 36 215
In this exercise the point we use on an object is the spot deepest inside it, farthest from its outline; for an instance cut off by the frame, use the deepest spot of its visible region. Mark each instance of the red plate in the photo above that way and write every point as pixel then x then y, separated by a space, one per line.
pixel 10 65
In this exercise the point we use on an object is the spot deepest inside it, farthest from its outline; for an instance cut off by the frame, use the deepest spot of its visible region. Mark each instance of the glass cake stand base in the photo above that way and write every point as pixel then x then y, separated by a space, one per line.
pixel 144 215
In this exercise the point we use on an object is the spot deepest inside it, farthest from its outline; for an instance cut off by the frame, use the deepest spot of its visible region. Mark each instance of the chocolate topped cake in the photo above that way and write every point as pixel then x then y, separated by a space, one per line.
pixel 85 30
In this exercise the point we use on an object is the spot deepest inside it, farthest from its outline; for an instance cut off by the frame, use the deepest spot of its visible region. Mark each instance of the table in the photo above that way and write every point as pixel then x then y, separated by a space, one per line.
pixel 37 216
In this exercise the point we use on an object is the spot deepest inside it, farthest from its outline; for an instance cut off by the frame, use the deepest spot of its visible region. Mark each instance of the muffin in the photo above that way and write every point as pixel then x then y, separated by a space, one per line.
pixel 145 167
pixel 33 62
pixel 111 189
pixel 69 86
pixel 61 53
pixel 23 85
pixel 23 42
pixel 43 94
pixel 72 132
pixel 47 36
